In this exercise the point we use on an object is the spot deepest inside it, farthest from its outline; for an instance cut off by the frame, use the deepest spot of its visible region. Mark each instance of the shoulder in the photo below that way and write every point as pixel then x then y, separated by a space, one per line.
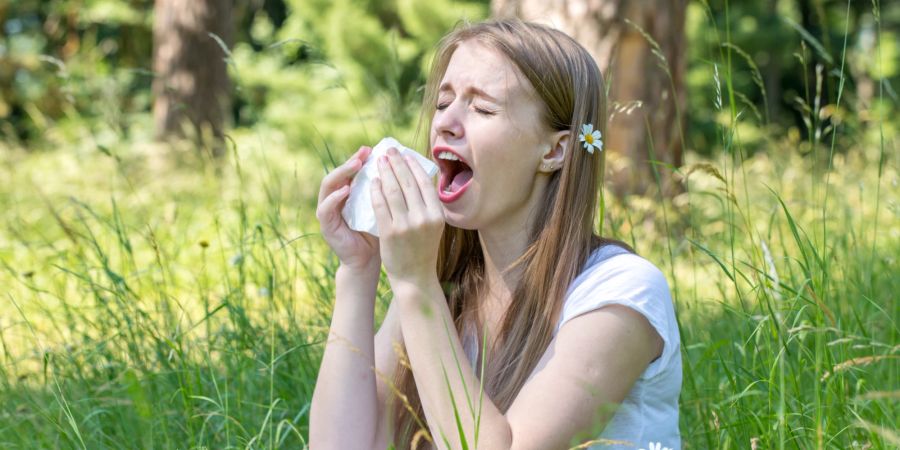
pixel 613 280
pixel 615 276
pixel 614 273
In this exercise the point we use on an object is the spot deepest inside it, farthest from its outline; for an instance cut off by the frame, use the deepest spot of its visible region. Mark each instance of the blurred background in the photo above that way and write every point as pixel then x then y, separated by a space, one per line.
pixel 347 72
pixel 165 286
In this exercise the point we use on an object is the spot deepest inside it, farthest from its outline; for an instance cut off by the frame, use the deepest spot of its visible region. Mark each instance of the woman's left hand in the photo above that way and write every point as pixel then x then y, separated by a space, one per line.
pixel 410 219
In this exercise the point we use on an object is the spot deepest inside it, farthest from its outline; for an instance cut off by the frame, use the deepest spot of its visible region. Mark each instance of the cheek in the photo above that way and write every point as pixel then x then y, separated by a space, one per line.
pixel 512 157
pixel 518 156
pixel 510 176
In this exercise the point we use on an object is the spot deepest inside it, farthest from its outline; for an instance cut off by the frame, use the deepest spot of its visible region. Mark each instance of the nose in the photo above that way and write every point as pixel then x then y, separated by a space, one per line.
pixel 447 123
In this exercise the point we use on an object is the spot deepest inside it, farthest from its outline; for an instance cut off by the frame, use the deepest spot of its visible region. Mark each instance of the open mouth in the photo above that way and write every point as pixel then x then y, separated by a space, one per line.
pixel 454 175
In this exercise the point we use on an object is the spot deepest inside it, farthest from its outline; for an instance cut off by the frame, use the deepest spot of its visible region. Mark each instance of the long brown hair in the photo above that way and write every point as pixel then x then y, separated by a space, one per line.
pixel 571 87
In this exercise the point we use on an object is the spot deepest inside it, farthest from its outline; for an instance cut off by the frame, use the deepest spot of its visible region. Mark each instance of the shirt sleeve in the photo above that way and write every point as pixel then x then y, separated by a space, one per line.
pixel 634 282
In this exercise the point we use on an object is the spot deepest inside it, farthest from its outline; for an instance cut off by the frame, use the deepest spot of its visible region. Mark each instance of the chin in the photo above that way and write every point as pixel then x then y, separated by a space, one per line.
pixel 459 219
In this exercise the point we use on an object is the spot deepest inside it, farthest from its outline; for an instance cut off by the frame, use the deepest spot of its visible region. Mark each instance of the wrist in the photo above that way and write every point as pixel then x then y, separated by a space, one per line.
pixel 369 270
pixel 363 280
pixel 416 289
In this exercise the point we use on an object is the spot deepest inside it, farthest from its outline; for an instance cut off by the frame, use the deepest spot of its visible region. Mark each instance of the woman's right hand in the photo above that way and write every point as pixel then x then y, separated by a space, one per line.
pixel 354 249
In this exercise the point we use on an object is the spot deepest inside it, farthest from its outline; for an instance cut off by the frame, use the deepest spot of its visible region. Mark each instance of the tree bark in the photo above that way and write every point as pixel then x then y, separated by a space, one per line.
pixel 191 88
pixel 646 116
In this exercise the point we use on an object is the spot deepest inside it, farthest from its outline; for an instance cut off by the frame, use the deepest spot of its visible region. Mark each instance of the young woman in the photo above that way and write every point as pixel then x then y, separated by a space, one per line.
pixel 513 325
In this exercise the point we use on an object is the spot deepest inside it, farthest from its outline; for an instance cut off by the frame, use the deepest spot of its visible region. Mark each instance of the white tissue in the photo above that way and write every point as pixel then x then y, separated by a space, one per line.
pixel 358 211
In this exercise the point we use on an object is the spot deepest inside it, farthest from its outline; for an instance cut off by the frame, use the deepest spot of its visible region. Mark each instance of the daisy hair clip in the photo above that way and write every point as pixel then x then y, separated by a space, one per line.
pixel 591 138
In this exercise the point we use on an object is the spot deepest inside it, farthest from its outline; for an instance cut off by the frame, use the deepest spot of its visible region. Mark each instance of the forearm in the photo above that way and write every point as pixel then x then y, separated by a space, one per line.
pixel 344 413
pixel 426 323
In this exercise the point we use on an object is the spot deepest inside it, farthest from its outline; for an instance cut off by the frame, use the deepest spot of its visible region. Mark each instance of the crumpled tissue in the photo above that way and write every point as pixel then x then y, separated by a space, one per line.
pixel 358 211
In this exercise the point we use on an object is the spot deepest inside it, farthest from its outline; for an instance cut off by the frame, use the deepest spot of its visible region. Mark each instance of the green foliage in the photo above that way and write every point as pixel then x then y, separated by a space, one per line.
pixel 347 72
pixel 769 52
pixel 65 63
pixel 361 68
pixel 344 72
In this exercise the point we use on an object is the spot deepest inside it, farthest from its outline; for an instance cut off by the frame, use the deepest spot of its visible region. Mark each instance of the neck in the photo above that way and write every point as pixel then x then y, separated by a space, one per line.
pixel 500 249
pixel 505 241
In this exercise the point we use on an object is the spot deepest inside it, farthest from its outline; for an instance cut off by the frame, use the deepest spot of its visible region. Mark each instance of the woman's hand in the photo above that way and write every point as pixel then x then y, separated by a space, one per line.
pixel 354 249
pixel 410 219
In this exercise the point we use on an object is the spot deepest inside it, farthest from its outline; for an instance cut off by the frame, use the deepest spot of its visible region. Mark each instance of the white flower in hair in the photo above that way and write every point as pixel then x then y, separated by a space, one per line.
pixel 591 138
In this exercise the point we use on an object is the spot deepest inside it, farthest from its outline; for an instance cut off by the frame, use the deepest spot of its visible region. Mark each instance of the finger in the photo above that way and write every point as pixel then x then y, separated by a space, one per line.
pixel 391 189
pixel 426 186
pixel 379 204
pixel 342 174
pixel 362 154
pixel 407 182
pixel 327 212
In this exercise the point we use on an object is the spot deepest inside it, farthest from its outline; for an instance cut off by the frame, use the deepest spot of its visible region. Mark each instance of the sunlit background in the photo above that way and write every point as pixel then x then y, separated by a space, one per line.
pixel 164 285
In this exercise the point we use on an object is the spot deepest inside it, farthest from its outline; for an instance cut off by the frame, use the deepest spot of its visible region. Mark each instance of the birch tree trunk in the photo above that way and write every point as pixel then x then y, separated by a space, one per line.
pixel 191 88
pixel 646 104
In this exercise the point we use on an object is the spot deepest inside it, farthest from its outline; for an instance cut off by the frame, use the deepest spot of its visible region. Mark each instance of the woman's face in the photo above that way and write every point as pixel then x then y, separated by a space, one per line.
pixel 490 117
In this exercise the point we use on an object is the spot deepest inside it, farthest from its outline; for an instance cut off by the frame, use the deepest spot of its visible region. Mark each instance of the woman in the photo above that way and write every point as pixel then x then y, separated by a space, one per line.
pixel 497 274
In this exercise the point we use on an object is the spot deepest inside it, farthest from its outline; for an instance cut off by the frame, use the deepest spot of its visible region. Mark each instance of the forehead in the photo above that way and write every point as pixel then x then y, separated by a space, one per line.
pixel 475 65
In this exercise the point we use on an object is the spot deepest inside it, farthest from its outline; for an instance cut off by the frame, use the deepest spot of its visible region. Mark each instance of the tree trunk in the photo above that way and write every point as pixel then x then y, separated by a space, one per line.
pixel 641 92
pixel 191 86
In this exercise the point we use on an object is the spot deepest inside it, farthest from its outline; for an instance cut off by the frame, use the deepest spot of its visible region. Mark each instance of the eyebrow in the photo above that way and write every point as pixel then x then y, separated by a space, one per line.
pixel 447 87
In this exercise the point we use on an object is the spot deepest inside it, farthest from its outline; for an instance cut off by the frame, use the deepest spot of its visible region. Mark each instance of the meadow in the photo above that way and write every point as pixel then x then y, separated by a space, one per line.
pixel 179 307
pixel 153 298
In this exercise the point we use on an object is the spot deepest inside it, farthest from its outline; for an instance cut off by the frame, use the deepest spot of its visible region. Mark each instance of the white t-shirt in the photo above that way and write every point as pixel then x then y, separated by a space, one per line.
pixel 649 412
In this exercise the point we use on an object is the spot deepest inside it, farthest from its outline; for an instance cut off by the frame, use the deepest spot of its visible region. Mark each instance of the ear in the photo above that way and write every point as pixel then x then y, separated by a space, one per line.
pixel 554 154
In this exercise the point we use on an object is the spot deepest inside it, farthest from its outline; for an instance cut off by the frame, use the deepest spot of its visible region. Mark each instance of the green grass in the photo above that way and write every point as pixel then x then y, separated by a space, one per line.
pixel 177 307
pixel 164 303
pixel 176 314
